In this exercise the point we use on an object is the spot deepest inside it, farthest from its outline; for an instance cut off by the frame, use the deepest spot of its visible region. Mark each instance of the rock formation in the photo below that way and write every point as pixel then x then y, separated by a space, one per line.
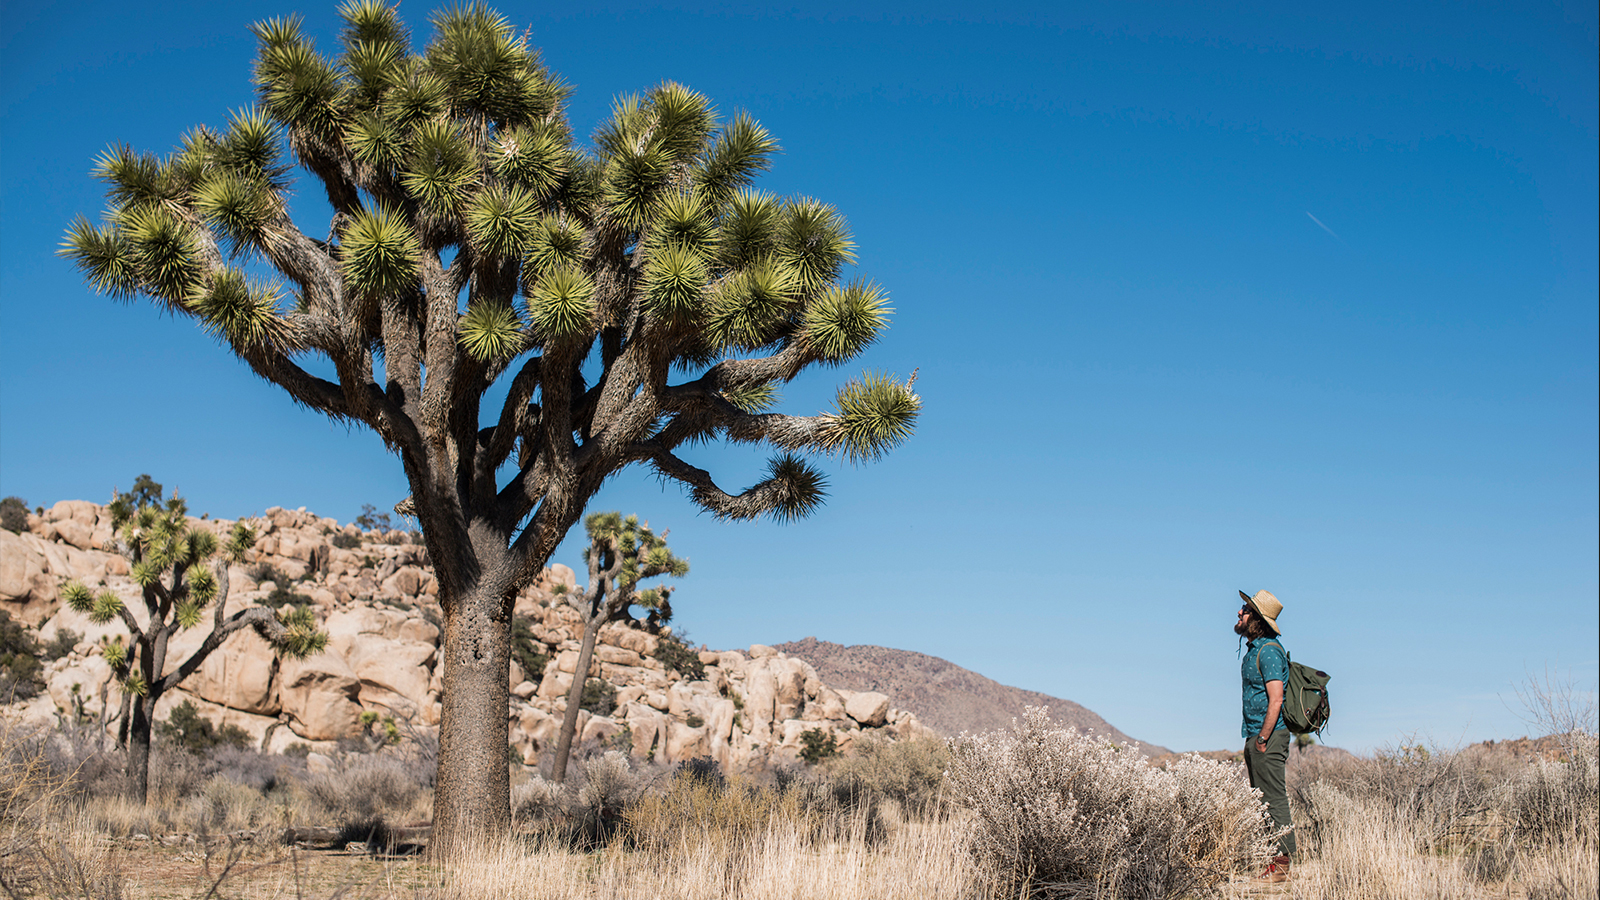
pixel 376 596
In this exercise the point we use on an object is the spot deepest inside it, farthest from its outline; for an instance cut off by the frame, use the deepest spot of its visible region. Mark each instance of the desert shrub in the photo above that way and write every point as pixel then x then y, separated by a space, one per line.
pixel 262 772
pixel 14 514
pixel 675 653
pixel 696 807
pixel 910 773
pixel 346 541
pixel 60 645
pixel 818 744
pixel 703 769
pixel 537 800
pixel 190 731
pixel 599 697
pixel 20 669
pixel 1417 821
pixel 608 786
pixel 268 572
pixel 1553 799
pixel 589 808
pixel 368 788
pixel 223 804
pixel 1053 806
pixel 528 650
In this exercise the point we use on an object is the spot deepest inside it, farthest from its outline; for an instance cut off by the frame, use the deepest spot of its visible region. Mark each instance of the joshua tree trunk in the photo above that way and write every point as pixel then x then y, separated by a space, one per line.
pixel 473 789
pixel 144 710
pixel 152 661
pixel 569 722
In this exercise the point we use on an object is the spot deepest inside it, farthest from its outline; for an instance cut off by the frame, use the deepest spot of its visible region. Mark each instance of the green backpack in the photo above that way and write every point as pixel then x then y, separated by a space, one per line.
pixel 1305 696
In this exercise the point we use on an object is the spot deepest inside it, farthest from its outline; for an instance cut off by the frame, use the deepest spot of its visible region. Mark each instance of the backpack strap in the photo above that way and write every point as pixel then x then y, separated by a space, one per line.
pixel 1280 650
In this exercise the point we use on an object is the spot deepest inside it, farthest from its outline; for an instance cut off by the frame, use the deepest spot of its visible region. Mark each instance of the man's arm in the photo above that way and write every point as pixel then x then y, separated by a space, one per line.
pixel 1274 706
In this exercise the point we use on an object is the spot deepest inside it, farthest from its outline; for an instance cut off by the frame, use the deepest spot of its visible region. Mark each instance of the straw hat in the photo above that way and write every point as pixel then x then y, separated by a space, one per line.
pixel 1267 605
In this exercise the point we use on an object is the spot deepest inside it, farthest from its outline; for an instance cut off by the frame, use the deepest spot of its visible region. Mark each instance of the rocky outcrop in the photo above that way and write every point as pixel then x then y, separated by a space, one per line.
pixel 377 598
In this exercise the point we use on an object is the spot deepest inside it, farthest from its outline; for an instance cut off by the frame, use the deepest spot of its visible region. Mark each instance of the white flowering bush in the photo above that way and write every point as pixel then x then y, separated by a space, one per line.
pixel 1058 813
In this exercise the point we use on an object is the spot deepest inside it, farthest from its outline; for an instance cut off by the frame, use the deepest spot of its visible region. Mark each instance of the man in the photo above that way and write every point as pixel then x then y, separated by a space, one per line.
pixel 1264 670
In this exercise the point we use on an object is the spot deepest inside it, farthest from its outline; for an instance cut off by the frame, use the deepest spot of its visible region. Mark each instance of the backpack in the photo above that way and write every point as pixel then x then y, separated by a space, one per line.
pixel 1305 696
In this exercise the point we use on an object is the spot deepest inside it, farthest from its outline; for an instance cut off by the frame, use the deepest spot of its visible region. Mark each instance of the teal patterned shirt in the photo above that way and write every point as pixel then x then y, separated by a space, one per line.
pixel 1274 667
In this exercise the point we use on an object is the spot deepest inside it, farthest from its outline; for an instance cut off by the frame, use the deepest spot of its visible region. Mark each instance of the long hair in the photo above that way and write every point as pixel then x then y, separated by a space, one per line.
pixel 1254 627
pixel 1257 627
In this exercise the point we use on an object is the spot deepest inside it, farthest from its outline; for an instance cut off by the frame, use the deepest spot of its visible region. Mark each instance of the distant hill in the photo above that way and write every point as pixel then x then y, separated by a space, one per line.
pixel 944 696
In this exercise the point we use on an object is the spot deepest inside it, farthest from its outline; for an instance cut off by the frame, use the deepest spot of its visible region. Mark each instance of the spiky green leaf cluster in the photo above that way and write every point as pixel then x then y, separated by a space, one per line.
pixel 845 321
pixel 562 305
pixel 187 613
pixel 798 487
pixel 380 253
pixel 240 538
pixel 241 313
pixel 873 416
pixel 491 331
pixel 633 548
pixel 301 637
pixel 752 398
pixel 135 684
pixel 115 653
pixel 107 606
pixel 77 596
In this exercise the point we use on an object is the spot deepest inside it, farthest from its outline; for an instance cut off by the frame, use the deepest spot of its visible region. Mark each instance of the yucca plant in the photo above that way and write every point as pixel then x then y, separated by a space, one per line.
pixel 621 553
pixel 182 574
pixel 473 241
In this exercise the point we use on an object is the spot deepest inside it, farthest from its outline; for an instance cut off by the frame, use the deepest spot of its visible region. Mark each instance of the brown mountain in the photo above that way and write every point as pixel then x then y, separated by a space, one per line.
pixel 944 696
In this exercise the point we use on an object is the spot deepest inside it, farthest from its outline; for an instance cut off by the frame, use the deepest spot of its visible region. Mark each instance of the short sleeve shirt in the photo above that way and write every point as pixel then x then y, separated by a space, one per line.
pixel 1274 666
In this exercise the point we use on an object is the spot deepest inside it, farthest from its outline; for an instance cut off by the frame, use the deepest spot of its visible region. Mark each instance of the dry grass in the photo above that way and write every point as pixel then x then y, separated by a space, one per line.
pixel 1429 824
pixel 1434 826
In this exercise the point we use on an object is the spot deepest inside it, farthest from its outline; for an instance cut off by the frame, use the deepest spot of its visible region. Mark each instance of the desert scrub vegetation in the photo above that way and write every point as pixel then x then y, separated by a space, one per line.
pixel 1428 822
pixel 881 821
pixel 1059 813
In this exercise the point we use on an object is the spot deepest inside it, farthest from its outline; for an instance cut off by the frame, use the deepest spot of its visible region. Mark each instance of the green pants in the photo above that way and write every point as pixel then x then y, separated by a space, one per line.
pixel 1266 776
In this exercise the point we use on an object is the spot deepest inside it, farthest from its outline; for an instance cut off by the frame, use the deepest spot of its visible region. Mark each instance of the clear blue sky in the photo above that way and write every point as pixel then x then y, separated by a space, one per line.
pixel 1151 376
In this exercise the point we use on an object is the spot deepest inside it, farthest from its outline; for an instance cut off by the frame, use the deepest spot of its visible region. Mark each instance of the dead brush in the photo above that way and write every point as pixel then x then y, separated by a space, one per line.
pixel 45 849
pixel 1056 813
pixel 1428 823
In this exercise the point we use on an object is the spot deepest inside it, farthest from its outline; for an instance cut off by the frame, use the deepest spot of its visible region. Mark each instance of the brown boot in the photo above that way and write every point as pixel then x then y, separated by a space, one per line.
pixel 1277 872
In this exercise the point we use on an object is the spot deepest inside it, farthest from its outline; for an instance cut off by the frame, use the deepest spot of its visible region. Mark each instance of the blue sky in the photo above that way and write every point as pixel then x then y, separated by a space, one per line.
pixel 1201 298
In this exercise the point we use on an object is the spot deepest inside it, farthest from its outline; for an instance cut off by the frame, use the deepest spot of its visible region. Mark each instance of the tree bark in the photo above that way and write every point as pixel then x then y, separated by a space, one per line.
pixel 144 709
pixel 569 722
pixel 472 797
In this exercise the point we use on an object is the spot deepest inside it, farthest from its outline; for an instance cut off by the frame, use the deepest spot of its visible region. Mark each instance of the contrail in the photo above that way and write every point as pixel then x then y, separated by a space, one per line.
pixel 1326 228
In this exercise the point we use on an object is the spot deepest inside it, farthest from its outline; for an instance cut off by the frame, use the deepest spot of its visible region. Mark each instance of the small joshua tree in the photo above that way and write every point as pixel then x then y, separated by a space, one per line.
pixel 621 553
pixel 181 571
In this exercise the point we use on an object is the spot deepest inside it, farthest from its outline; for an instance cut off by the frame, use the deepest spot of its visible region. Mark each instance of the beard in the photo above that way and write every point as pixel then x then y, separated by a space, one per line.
pixel 1242 629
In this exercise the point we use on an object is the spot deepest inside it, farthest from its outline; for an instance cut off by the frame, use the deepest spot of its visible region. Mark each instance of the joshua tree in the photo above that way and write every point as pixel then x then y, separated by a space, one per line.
pixel 620 554
pixel 474 243
pixel 169 563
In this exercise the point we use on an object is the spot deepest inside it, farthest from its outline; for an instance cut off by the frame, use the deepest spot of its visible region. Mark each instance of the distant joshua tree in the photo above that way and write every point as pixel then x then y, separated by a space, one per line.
pixel 181 572
pixel 621 553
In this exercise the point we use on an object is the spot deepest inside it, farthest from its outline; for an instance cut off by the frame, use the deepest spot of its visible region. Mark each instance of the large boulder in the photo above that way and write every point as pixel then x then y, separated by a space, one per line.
pixel 75 686
pixel 240 674
pixel 870 708
pixel 26 588
pixel 322 696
